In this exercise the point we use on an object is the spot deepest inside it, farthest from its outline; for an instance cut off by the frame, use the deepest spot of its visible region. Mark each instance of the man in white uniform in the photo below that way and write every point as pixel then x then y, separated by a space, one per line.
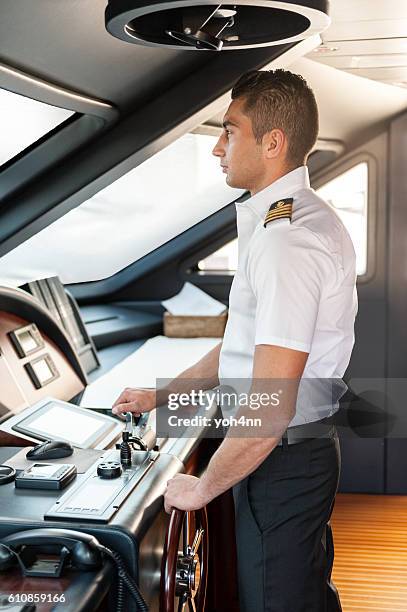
pixel 292 308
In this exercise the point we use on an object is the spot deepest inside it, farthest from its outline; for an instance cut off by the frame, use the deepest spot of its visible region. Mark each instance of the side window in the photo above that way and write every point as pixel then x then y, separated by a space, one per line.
pixel 222 260
pixel 347 193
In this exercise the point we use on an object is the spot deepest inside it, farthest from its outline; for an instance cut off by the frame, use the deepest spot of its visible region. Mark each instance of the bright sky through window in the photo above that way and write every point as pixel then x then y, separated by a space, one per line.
pixel 167 194
pixel 23 121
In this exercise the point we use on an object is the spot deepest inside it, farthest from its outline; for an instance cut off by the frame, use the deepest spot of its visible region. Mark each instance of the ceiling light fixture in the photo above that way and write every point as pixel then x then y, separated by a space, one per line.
pixel 208 25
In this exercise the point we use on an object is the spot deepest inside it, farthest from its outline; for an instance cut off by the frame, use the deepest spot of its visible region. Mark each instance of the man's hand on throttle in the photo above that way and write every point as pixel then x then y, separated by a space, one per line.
pixel 134 400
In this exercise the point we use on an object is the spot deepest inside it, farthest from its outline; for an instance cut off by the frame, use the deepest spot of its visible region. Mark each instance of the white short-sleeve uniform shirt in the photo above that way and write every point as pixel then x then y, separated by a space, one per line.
pixel 295 287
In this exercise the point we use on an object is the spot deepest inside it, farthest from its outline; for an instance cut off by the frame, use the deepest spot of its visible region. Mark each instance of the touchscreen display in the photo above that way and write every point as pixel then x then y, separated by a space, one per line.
pixel 42 370
pixel 59 421
pixel 56 420
pixel 27 342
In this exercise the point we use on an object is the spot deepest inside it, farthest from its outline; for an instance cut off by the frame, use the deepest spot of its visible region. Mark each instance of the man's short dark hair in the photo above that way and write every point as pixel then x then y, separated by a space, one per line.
pixel 283 100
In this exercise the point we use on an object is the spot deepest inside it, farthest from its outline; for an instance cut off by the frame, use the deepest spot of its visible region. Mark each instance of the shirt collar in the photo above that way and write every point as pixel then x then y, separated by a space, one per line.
pixel 284 187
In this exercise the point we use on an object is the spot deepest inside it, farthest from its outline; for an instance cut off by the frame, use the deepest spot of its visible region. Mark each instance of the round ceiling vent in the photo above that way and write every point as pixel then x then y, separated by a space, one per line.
pixel 208 25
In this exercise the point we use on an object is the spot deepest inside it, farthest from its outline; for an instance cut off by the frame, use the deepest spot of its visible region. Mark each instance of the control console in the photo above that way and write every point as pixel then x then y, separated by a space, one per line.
pixel 103 489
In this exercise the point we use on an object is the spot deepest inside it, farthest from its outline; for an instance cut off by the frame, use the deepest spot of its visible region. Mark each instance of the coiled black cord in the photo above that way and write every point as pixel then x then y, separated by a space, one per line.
pixel 125 580
pixel 120 595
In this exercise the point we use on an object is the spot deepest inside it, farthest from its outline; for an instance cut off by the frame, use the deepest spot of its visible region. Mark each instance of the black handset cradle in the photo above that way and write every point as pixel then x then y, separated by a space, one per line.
pixel 24 547
pixel 82 550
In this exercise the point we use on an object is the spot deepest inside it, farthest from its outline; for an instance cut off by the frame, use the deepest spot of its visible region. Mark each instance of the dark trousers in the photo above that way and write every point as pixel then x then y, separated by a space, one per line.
pixel 284 548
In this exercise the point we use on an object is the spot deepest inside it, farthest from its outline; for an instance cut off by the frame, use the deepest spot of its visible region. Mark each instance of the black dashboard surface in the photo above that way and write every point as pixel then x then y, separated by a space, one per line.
pixel 113 324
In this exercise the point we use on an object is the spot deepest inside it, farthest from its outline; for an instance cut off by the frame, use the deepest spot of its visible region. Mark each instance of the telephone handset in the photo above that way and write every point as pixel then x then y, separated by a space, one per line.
pixel 82 550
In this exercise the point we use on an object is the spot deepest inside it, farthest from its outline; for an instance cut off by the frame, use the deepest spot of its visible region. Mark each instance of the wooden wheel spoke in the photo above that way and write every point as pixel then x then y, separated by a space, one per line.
pixel 191 605
pixel 197 541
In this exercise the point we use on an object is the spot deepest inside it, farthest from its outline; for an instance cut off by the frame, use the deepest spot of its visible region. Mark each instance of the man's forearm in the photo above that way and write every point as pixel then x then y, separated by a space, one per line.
pixel 233 461
pixel 202 375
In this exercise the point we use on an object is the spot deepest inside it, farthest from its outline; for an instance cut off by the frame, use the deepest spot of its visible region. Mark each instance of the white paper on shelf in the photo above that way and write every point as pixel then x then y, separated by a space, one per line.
pixel 193 301
pixel 158 358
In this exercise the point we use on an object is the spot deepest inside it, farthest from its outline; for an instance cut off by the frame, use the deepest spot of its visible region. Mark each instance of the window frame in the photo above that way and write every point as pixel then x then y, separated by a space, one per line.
pixel 335 171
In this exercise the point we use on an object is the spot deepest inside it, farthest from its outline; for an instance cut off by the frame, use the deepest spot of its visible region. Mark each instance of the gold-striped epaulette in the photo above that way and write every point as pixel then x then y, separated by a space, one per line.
pixel 282 209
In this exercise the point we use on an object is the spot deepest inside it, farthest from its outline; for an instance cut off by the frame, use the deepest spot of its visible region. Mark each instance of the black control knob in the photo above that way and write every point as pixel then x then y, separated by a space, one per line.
pixel 109 469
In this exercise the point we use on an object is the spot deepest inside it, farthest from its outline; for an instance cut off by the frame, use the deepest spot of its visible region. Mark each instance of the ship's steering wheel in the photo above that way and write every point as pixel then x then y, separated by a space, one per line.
pixel 184 572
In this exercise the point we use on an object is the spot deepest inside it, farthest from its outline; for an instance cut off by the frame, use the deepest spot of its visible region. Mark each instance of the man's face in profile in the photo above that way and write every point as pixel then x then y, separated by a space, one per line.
pixel 240 155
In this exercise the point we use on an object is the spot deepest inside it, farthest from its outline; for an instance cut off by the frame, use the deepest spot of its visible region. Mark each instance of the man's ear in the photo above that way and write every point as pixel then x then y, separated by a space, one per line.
pixel 274 144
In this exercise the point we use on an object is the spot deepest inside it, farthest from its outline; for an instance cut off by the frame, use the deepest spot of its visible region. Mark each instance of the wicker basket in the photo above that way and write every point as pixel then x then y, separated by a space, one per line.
pixel 176 326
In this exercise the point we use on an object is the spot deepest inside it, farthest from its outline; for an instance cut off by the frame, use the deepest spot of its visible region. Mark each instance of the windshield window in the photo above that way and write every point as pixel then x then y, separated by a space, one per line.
pixel 167 194
pixel 23 121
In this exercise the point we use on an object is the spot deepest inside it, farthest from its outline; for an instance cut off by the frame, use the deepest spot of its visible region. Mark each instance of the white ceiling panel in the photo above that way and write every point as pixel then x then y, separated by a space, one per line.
pixel 351 62
pixel 367 19
pixel 402 84
pixel 377 46
pixel 378 74
pixel 367 38
pixel 350 30
pixel 365 10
